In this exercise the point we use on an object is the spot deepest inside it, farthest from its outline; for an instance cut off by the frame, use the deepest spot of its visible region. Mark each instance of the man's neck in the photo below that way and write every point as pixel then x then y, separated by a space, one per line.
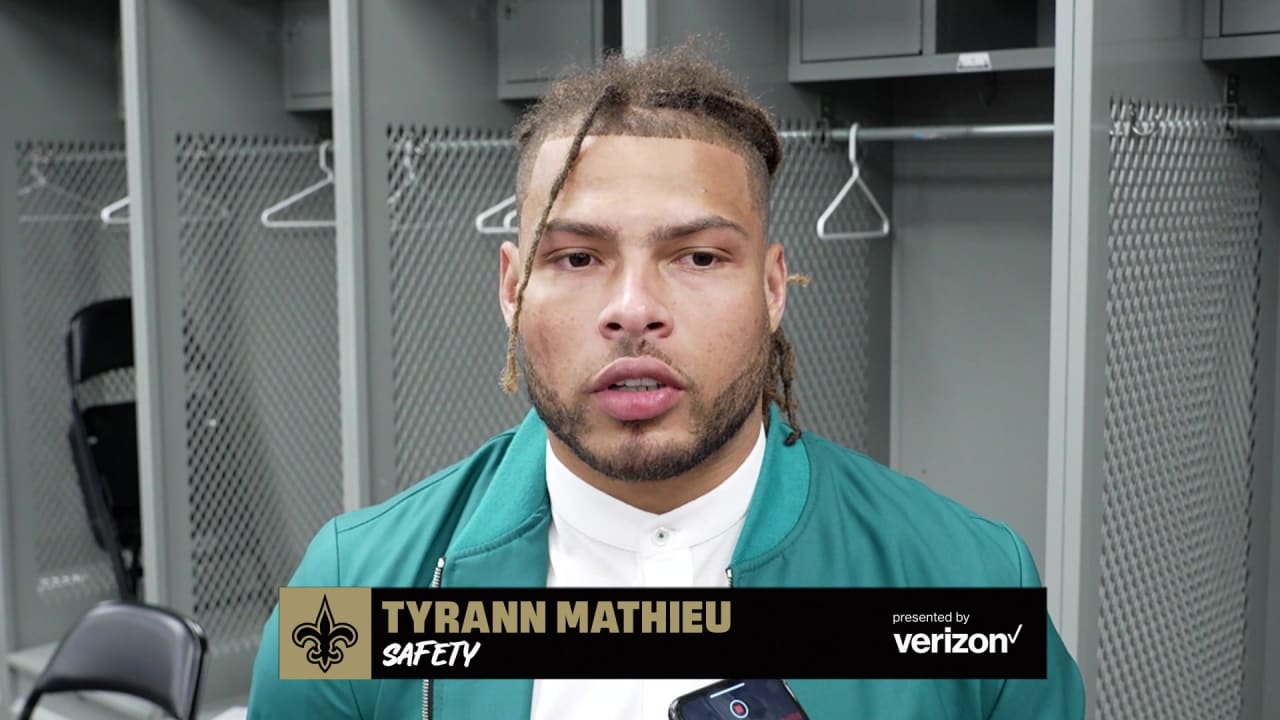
pixel 662 496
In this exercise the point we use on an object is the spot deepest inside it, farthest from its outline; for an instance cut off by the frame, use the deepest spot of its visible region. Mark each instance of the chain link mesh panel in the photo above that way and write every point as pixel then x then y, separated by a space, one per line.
pixel 1182 314
pixel 70 259
pixel 448 337
pixel 260 356
pixel 827 322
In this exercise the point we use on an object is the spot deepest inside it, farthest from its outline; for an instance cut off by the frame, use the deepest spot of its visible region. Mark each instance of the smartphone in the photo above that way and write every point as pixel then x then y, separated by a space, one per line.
pixel 738 700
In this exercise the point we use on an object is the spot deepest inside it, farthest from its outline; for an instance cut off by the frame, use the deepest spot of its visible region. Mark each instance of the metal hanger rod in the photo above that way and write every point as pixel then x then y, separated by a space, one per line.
pixel 1256 124
pixel 945 132
pixel 874 134
pixel 53 155
pixel 500 143
pixel 953 132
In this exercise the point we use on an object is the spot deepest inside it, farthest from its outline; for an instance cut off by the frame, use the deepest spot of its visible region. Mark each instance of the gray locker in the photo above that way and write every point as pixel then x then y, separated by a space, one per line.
pixel 844 30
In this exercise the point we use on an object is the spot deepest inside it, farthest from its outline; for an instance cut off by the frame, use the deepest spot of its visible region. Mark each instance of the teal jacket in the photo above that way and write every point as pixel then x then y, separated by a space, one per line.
pixel 821 515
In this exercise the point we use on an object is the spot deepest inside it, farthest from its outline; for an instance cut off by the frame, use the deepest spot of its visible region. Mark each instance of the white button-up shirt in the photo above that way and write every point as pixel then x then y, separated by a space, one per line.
pixel 596 540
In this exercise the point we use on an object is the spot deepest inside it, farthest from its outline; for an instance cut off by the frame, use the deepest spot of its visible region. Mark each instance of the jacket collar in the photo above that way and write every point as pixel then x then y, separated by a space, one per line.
pixel 516 492
pixel 780 498
pixel 516 502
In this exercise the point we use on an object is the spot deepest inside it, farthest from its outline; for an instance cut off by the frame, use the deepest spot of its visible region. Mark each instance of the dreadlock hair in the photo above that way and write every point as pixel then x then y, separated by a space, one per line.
pixel 676 94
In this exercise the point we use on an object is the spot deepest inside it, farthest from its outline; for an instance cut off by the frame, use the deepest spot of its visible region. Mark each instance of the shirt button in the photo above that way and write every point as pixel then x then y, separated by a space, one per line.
pixel 660 536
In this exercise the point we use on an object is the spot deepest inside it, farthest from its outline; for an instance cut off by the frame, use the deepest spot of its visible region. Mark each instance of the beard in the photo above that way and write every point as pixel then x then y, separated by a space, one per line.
pixel 637 458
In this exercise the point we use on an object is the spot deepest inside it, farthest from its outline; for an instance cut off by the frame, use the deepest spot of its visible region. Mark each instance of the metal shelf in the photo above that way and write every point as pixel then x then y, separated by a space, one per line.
pixel 1241 47
pixel 907 66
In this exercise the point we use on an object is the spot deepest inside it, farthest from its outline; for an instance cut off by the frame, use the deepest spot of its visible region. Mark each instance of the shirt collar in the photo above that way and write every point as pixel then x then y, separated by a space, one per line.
pixel 606 519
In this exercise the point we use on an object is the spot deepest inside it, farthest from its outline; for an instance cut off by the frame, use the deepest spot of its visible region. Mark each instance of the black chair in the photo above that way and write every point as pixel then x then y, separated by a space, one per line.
pixel 140 650
pixel 104 438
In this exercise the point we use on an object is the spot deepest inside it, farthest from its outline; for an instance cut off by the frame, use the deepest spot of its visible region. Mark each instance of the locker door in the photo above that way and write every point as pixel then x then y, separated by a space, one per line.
pixel 537 37
pixel 849 30
pixel 1249 17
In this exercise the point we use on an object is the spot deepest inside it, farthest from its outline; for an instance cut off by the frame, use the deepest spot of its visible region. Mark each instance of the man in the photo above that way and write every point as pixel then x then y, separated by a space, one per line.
pixel 648 302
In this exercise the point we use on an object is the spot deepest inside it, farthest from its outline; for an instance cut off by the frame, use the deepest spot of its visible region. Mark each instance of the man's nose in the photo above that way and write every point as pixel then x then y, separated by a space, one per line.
pixel 636 308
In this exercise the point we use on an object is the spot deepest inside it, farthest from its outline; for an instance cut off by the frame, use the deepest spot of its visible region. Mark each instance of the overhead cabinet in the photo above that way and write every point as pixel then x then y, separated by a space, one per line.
pixel 976 25
pixel 537 38
pixel 307 57
pixel 843 30
pixel 1250 17
pixel 851 39
pixel 1238 29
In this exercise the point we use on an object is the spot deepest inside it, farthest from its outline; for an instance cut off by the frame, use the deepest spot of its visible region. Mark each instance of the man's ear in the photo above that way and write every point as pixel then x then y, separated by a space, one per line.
pixel 509 267
pixel 775 284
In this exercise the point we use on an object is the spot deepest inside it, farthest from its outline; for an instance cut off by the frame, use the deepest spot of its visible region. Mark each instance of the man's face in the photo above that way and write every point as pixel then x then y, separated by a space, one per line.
pixel 647 316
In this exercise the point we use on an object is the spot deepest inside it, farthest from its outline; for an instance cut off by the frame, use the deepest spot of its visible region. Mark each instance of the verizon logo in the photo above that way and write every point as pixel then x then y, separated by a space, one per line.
pixel 951 643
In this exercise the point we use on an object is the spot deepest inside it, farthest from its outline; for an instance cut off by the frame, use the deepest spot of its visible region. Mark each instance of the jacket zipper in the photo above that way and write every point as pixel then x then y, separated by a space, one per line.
pixel 426 682
pixel 728 573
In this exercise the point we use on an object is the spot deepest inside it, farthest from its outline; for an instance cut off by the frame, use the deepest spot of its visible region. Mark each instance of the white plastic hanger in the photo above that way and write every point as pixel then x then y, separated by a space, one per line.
pixel 507 227
pixel 110 215
pixel 855 178
pixel 268 215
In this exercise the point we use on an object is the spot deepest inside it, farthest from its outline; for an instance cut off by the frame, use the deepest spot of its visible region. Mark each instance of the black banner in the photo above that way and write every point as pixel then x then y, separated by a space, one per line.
pixel 743 632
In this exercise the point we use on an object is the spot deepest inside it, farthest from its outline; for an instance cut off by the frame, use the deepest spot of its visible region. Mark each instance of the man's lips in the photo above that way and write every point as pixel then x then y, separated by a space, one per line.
pixel 624 397
pixel 636 368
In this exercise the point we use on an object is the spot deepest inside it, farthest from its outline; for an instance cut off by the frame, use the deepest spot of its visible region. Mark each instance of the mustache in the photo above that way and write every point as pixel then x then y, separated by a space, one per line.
pixel 631 349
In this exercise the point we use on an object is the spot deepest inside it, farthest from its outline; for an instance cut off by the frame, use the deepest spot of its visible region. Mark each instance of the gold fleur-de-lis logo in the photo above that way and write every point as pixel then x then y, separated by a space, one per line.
pixel 324 639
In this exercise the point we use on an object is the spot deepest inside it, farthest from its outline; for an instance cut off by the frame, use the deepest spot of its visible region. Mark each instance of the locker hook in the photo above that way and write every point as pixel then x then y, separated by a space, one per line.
pixel 41 183
pixel 36 170
pixel 855 178
pixel 408 149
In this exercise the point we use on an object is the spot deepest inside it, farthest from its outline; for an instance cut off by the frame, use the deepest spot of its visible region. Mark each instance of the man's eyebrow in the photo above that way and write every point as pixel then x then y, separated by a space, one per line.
pixel 710 222
pixel 659 234
pixel 585 229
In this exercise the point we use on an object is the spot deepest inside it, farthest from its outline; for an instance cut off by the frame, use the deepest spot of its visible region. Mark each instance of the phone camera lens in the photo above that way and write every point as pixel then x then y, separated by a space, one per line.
pixel 739 708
